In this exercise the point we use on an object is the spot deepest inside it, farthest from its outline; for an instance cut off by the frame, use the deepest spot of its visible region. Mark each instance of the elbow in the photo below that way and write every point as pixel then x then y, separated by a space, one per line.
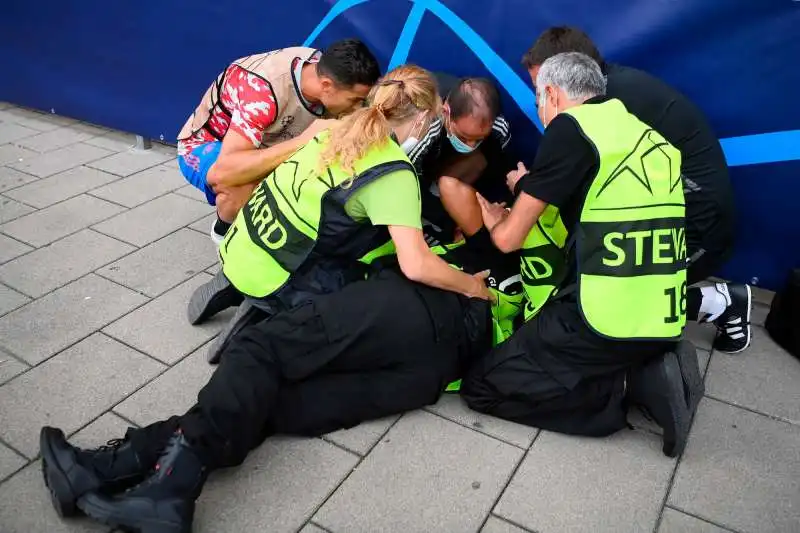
pixel 218 174
pixel 504 244
pixel 413 268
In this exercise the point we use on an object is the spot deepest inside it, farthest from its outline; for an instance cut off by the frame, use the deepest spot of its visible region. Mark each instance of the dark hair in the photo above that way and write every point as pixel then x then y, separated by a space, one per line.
pixel 473 96
pixel 349 62
pixel 557 40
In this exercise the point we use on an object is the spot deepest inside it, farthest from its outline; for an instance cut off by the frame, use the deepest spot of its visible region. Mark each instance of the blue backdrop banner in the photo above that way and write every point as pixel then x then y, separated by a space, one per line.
pixel 142 67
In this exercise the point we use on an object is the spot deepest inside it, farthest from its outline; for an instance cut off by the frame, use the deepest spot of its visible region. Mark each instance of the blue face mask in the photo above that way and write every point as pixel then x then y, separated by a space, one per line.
pixel 460 146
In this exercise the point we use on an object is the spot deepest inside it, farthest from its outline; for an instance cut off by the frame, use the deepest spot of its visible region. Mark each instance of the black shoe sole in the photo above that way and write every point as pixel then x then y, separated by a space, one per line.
pixel 692 376
pixel 211 298
pixel 676 431
pixel 62 494
pixel 104 511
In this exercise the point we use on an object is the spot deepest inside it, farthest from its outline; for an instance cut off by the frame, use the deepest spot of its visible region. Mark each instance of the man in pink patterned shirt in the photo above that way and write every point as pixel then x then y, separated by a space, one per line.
pixel 261 109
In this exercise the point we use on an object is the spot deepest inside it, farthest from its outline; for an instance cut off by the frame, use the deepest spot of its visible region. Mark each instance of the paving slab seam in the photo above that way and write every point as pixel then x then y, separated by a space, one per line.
pixel 311 522
pixel 18 201
pixel 99 221
pixel 703 519
pixel 16 451
pixel 21 172
pixel 83 164
pixel 70 345
pixel 508 482
pixel 355 467
pixel 3 313
pixel 130 209
pixel 510 522
pixel 123 417
pixel 15 240
pixel 671 482
pixel 776 418
pixel 124 343
pixel 123 152
pixel 480 432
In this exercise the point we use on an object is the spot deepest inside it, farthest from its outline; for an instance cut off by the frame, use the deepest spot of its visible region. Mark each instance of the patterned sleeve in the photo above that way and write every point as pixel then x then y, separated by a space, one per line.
pixel 426 150
pixel 253 108
pixel 501 131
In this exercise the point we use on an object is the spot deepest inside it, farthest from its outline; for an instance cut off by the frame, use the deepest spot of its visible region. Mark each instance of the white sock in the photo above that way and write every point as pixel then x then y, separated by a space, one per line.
pixel 715 300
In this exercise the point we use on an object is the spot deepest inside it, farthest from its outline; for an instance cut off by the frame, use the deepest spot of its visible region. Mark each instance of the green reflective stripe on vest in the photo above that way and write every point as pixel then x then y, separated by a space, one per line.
pixel 631 243
pixel 542 261
pixel 278 227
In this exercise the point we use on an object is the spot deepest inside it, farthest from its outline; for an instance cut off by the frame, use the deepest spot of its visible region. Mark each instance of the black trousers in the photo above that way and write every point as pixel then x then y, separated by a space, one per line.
pixel 555 374
pixel 374 349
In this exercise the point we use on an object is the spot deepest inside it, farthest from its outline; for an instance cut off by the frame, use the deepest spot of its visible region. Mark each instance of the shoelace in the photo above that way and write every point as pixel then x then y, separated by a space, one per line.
pixel 110 446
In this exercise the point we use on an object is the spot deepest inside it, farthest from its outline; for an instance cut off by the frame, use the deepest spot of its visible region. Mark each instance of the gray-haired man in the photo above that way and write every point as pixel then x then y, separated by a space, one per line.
pixel 600 223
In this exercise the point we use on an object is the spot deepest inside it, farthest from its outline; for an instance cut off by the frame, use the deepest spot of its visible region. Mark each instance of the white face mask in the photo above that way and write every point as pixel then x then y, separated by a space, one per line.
pixel 411 142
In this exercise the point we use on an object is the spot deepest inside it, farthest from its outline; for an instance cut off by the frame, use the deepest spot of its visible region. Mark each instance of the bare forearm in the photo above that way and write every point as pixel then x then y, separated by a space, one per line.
pixel 247 166
pixel 435 272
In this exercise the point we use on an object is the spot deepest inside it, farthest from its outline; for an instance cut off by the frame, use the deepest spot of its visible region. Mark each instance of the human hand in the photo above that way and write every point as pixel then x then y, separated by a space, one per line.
pixel 492 213
pixel 513 177
pixel 481 290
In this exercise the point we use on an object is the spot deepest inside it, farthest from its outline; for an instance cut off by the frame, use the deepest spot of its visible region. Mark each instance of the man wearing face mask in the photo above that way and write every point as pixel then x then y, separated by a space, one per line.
pixel 460 152
pixel 607 333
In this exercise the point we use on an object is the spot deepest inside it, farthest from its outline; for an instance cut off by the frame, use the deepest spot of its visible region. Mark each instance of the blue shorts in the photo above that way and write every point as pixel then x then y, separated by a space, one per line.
pixel 195 165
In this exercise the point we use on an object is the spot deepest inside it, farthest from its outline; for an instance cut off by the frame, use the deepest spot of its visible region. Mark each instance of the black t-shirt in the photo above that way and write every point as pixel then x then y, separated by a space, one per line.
pixel 562 172
pixel 707 186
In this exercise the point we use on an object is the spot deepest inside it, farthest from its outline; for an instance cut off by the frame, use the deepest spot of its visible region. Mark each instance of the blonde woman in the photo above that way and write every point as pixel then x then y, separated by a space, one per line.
pixel 345 193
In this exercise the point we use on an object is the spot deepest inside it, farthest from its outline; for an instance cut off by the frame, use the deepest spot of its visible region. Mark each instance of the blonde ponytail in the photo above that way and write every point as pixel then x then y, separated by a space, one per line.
pixel 399 96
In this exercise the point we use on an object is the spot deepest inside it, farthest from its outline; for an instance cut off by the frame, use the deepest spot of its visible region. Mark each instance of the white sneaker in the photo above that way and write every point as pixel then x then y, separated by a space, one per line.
pixel 216 237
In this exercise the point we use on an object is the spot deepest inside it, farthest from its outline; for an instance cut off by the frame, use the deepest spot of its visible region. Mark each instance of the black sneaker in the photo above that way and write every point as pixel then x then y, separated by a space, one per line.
pixel 734 323
pixel 71 472
pixel 658 389
pixel 162 503
pixel 211 298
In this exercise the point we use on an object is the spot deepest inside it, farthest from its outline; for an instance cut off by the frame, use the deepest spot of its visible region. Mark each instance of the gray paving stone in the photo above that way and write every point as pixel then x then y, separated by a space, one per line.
pixel 759 314
pixel 47 325
pixel 47 191
pixel 35 119
pixel 61 262
pixel 11 248
pixel 276 489
pixel 54 139
pixel 130 161
pixel 427 474
pixel 71 389
pixel 141 187
pixel 10 367
pixel 25 507
pixel 312 528
pixel 59 220
pixel 674 521
pixel 115 141
pixel 765 378
pixel 11 299
pixel 740 470
pixel 452 407
pixel 364 436
pixel 108 426
pixel 10 461
pixel 160 328
pixel 163 264
pixel 60 160
pixel 702 335
pixel 190 191
pixel 204 224
pixel 498 525
pixel 11 209
pixel 153 220
pixel 582 484
pixel 10 178
pixel 10 153
pixel 172 393
pixel 10 132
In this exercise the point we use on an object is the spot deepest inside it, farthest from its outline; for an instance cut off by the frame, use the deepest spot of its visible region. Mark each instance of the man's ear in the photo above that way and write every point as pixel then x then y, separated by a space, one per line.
pixel 325 83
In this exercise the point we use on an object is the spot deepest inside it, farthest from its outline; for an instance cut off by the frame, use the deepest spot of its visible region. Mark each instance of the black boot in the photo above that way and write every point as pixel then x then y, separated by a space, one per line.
pixel 162 503
pixel 71 472
pixel 658 388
